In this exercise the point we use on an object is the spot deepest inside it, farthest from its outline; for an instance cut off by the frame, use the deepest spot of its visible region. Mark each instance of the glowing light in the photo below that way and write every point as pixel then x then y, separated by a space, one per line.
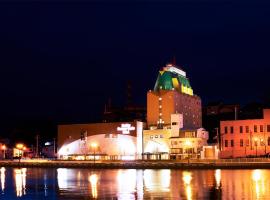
pixel 218 178
pixel 126 146
pixel 256 175
pixel 3 178
pixel 93 179
pixel 153 147
pixel 4 147
pixel 126 181
pixel 62 179
pixel 188 143
pixel 126 128
pixel 19 146
pixel 160 177
pixel 258 178
pixel 187 177
pixel 94 145
pixel 20 181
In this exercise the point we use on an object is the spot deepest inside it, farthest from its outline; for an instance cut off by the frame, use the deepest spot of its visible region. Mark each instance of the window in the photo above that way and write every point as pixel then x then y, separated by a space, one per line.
pixel 247 142
pixel 255 129
pixel 232 143
pixel 241 143
pixel 268 141
pixel 261 128
pixel 226 143
pixel 156 136
pixel 247 129
pixel 262 142
pixel 174 123
pixel 241 129
pixel 225 129
pixel 151 136
pixel 231 129
pixel 268 128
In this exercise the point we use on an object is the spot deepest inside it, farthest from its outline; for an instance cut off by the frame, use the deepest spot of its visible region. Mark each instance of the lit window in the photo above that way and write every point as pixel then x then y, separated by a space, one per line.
pixel 255 128
pixel 156 136
pixel 241 142
pixel 160 98
pixel 226 143
pixel 261 128
pixel 232 143
pixel 241 129
pixel 151 136
pixel 231 129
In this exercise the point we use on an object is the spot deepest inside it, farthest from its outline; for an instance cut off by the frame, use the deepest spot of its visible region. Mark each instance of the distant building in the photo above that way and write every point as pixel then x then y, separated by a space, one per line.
pixel 243 138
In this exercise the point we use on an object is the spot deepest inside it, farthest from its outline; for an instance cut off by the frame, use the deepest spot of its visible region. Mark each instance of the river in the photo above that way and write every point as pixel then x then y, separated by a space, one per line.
pixel 124 184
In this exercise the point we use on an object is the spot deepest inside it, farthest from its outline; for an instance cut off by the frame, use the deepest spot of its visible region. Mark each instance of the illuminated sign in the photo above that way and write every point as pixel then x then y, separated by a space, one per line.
pixel 126 128
pixel 170 68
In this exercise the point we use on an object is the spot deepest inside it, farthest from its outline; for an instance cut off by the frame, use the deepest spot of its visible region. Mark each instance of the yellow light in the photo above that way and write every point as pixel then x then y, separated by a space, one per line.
pixel 256 175
pixel 94 145
pixel 19 146
pixel 188 143
pixel 93 179
pixel 187 177
pixel 4 147
pixel 218 178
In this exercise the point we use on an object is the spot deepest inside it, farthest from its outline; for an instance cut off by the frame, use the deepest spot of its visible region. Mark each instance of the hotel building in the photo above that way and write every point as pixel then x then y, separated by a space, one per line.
pixel 244 138
pixel 174 126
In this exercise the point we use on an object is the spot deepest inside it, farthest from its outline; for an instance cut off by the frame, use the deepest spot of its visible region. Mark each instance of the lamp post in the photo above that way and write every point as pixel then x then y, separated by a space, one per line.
pixel 94 146
pixel 20 147
pixel 4 151
pixel 256 144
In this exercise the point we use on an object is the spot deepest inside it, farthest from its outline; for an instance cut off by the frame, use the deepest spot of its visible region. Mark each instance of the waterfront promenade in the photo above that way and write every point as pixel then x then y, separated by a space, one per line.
pixel 243 163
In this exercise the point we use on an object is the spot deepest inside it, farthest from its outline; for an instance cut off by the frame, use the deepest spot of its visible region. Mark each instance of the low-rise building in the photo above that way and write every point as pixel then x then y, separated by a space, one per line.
pixel 243 138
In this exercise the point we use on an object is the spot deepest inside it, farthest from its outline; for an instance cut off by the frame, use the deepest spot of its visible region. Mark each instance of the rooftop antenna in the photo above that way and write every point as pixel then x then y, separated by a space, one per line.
pixel 174 60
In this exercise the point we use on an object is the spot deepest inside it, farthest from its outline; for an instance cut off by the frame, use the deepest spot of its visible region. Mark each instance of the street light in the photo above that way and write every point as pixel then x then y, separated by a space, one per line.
pixel 20 147
pixel 256 144
pixel 4 151
pixel 94 146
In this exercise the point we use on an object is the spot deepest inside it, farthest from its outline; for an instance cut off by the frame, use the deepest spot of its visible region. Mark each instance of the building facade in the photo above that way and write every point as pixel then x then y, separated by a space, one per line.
pixel 244 138
pixel 174 118
pixel 106 141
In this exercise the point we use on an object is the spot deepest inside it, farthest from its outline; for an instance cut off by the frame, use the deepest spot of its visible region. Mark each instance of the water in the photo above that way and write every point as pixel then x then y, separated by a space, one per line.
pixel 62 183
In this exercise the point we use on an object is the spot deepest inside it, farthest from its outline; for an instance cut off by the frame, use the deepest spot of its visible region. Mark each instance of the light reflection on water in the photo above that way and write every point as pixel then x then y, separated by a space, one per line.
pixel 127 184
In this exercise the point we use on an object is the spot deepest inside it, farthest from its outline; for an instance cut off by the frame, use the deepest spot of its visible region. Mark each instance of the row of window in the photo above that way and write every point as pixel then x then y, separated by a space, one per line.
pixel 156 136
pixel 256 129
pixel 230 143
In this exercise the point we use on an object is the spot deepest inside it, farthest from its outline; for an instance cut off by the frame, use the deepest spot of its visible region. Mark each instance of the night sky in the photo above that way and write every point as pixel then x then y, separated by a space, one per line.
pixel 62 60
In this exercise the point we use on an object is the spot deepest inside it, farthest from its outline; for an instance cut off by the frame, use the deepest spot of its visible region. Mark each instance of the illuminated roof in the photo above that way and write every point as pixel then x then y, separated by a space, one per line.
pixel 173 78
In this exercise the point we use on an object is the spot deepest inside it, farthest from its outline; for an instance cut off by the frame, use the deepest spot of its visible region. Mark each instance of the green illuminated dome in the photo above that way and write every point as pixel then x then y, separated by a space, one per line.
pixel 172 78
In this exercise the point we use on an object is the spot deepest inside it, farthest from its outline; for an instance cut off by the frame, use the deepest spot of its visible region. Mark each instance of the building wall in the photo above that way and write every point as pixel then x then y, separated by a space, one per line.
pixel 174 102
pixel 241 138
pixel 156 141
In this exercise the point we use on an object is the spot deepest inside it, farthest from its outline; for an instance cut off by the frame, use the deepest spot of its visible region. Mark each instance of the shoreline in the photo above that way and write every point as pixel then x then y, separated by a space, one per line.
pixel 138 164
